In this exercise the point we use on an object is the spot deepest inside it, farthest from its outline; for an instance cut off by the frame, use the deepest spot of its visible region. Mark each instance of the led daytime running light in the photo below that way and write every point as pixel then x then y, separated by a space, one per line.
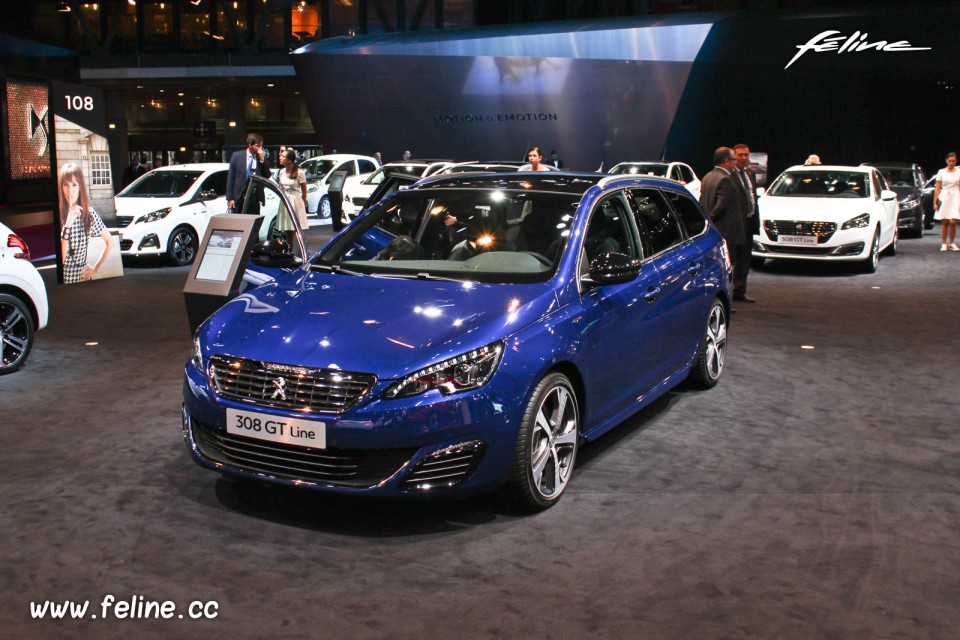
pixel 467 371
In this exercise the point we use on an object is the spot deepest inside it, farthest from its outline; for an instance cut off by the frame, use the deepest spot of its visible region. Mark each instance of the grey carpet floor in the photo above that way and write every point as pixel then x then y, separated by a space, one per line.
pixel 812 494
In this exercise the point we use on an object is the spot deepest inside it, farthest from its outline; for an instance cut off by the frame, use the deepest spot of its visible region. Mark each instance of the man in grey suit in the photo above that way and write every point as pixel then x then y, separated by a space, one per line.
pixel 251 160
pixel 724 201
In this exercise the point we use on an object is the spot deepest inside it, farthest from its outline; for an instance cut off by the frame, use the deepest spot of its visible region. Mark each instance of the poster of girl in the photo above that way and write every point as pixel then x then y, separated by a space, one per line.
pixel 79 223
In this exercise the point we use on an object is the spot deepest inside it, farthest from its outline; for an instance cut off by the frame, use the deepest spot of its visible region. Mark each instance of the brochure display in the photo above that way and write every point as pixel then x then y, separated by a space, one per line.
pixel 218 270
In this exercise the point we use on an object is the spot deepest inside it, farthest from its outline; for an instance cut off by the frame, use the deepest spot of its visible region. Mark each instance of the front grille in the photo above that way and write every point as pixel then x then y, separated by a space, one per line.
pixel 446 467
pixel 331 467
pixel 288 387
pixel 360 203
pixel 126 245
pixel 124 221
pixel 823 231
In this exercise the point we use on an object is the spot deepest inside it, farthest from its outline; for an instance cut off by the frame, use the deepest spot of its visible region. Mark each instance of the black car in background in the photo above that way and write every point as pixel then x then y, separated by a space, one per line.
pixel 926 197
pixel 908 179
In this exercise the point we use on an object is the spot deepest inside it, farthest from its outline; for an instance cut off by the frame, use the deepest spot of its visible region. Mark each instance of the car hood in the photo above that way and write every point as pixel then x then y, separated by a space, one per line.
pixel 135 206
pixel 906 193
pixel 826 209
pixel 386 326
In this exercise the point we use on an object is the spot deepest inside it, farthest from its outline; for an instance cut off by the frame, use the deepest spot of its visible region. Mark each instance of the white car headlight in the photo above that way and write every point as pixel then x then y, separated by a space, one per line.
pixel 860 222
pixel 313 188
pixel 468 371
pixel 153 216
pixel 910 204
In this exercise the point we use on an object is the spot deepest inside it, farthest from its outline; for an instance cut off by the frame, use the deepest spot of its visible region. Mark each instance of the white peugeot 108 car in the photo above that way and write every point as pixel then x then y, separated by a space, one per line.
pixel 23 301
pixel 166 210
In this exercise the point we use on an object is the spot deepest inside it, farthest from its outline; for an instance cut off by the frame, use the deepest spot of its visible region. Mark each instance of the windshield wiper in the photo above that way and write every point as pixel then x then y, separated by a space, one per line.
pixel 335 268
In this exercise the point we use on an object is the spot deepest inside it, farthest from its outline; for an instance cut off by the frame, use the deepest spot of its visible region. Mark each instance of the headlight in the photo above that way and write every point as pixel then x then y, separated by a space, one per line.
pixel 153 216
pixel 197 352
pixel 910 204
pixel 468 371
pixel 313 188
pixel 861 221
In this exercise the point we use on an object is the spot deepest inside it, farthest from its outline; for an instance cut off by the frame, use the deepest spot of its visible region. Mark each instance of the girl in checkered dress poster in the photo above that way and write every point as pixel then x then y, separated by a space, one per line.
pixel 78 224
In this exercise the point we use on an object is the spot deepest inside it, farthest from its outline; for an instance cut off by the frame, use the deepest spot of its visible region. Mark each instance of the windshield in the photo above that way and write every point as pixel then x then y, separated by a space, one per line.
pixel 821 184
pixel 161 184
pixel 898 177
pixel 640 168
pixel 407 169
pixel 487 235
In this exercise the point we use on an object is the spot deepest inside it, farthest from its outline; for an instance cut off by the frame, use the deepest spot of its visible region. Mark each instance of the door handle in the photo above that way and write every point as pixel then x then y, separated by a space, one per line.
pixel 651 294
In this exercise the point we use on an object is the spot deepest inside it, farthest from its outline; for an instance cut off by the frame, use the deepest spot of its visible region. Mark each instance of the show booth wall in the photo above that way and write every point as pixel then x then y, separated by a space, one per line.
pixel 641 88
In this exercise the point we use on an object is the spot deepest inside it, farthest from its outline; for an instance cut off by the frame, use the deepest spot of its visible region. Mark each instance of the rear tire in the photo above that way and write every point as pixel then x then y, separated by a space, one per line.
pixel 546 447
pixel 713 349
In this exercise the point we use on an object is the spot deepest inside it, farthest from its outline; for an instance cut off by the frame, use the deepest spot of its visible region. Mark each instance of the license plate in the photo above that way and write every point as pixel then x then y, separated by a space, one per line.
pixel 804 240
pixel 263 426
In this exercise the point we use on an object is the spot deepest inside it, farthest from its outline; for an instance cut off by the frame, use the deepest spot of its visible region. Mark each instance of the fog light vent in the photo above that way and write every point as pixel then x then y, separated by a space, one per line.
pixel 446 467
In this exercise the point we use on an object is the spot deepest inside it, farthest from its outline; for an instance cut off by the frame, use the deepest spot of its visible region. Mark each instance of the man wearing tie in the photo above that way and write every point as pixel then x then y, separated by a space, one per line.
pixel 743 180
pixel 251 160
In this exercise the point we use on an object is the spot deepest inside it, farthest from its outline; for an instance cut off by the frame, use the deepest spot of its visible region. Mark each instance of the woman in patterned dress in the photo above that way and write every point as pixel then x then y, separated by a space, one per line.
pixel 78 223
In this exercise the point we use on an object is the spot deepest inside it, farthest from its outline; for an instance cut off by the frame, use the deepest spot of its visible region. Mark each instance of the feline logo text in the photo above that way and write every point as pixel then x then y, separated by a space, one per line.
pixel 834 41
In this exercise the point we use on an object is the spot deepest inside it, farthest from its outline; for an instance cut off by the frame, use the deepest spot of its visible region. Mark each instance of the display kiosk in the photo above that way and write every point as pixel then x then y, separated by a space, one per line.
pixel 218 268
pixel 335 194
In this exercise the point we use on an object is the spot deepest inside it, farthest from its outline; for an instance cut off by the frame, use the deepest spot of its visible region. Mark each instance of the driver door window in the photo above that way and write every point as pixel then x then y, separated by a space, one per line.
pixel 609 230
pixel 263 199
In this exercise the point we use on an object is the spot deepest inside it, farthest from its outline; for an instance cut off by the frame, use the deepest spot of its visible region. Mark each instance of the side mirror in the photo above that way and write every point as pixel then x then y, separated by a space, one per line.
pixel 612 268
pixel 761 191
pixel 275 253
pixel 887 194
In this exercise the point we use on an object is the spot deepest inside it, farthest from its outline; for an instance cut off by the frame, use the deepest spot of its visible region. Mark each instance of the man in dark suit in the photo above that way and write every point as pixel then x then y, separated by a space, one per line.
pixel 724 202
pixel 745 184
pixel 251 160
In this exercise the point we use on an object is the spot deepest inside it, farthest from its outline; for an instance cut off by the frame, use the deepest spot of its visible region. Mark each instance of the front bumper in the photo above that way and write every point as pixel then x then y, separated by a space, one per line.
pixel 414 447
pixel 812 240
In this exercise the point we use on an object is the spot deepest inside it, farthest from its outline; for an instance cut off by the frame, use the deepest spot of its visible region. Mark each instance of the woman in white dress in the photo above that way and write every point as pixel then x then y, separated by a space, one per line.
pixel 294 182
pixel 946 203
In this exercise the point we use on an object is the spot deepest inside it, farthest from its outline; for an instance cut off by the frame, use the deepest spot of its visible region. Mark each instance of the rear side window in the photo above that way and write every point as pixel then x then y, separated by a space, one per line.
pixel 658 225
pixel 691 218
pixel 686 173
pixel 366 166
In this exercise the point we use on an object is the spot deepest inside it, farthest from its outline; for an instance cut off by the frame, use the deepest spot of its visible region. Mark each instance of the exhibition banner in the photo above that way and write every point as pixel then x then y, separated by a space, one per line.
pixel 87 250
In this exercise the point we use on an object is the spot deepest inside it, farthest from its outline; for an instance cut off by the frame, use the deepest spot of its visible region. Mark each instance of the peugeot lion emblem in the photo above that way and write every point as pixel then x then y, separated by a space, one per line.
pixel 279 389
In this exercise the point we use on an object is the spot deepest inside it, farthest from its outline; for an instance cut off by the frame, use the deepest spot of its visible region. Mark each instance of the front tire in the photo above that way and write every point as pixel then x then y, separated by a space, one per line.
pixel 713 350
pixel 16 333
pixel 546 447
pixel 182 246
pixel 873 260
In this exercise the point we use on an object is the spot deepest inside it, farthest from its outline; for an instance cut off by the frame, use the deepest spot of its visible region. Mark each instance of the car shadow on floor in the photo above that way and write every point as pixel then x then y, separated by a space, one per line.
pixel 382 518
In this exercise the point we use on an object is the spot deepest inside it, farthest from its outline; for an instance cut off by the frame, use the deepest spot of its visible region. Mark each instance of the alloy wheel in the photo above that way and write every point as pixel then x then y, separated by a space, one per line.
pixel 553 445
